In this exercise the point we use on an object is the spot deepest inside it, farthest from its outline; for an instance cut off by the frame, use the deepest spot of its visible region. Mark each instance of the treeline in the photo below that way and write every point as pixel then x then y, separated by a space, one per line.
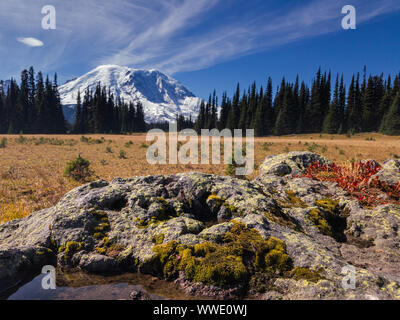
pixel 100 112
pixel 33 106
pixel 368 105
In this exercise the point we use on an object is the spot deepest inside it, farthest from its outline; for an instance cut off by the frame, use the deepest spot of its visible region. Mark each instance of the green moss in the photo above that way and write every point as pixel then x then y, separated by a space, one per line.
pixel 100 215
pixel 98 235
pixel 222 202
pixel 294 201
pixel 329 219
pixel 282 218
pixel 72 246
pixel 261 282
pixel 52 241
pixel 107 242
pixel 217 199
pixel 104 226
pixel 163 201
pixel 166 212
pixel 307 274
pixel 242 253
pixel 329 205
pixel 44 251
pixel 158 239
pixel 101 251
pixel 318 218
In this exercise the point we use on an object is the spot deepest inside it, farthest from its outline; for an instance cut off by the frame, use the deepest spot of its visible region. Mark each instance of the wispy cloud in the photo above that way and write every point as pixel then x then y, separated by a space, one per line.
pixel 31 42
pixel 171 35
pixel 165 47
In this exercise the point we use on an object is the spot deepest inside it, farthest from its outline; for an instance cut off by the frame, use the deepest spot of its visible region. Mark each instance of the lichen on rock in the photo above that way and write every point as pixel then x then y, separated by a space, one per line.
pixel 281 236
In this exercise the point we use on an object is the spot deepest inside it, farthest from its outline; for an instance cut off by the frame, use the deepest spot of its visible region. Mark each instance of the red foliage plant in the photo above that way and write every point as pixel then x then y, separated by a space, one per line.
pixel 356 179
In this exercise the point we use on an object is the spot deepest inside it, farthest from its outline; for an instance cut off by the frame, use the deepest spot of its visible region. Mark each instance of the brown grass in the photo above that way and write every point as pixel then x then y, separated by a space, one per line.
pixel 31 174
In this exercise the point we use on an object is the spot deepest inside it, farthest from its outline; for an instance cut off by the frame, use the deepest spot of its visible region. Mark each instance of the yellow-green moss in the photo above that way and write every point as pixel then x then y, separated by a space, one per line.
pixel 318 218
pixel 44 251
pixel 104 226
pixel 163 201
pixel 165 213
pixel 98 235
pixel 294 201
pixel 101 250
pixel 282 219
pixel 328 218
pixel 299 273
pixel 222 202
pixel 242 253
pixel 72 246
pixel 106 241
pixel 332 206
pixel 158 239
pixel 217 199
pixel 99 214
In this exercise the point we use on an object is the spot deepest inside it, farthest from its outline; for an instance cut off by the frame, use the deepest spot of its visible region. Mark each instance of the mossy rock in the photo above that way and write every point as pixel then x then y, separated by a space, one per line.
pixel 299 273
pixel 292 201
pixel 329 219
pixel 158 239
pixel 242 253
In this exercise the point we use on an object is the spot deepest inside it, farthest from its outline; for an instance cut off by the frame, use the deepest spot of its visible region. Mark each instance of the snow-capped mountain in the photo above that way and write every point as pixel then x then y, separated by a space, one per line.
pixel 162 96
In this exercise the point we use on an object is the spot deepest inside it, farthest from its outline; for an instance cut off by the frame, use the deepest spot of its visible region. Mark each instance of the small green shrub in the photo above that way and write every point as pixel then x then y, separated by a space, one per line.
pixel 109 149
pixel 3 143
pixel 78 169
pixel 21 139
pixel 122 154
pixel 128 144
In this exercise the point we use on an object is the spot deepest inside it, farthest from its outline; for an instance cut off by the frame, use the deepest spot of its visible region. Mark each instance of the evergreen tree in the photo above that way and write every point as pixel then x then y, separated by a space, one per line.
pixel 286 120
pixel 78 128
pixel 391 121
pixel 332 120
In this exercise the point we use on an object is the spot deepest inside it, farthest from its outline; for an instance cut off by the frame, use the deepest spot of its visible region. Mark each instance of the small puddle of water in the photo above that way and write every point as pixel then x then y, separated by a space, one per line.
pixel 81 286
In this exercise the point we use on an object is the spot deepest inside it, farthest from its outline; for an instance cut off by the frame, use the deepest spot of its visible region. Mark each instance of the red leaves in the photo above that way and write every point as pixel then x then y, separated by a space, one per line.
pixel 355 178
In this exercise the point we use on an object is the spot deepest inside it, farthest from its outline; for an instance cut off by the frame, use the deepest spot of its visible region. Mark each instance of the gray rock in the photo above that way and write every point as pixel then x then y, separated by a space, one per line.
pixel 96 263
pixel 292 163
pixel 390 172
pixel 107 227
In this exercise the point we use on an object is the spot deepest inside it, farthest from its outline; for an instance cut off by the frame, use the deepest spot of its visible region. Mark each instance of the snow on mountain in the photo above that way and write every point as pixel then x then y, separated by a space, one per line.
pixel 162 96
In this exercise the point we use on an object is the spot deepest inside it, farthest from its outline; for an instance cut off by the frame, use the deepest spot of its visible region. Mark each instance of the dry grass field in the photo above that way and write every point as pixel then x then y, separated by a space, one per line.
pixel 32 166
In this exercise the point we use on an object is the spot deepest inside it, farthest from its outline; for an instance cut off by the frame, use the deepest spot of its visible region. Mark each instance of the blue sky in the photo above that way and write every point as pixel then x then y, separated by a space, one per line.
pixel 205 44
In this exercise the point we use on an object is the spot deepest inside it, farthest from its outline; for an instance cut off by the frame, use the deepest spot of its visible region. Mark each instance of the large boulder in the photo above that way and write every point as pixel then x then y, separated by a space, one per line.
pixel 292 163
pixel 315 229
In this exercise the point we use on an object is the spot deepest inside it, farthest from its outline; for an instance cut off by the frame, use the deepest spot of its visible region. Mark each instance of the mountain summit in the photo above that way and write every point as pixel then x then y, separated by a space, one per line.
pixel 161 96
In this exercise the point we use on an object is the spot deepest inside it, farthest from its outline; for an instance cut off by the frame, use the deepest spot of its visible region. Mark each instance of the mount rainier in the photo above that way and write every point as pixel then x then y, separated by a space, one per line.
pixel 162 97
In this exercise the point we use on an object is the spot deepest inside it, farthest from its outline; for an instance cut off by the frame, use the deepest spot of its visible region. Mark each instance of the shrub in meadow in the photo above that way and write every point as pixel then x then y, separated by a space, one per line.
pixel 78 169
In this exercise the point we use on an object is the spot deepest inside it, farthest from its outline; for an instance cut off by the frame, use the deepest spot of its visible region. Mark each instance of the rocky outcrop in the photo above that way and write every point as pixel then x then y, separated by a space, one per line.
pixel 390 173
pixel 277 237
pixel 293 163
